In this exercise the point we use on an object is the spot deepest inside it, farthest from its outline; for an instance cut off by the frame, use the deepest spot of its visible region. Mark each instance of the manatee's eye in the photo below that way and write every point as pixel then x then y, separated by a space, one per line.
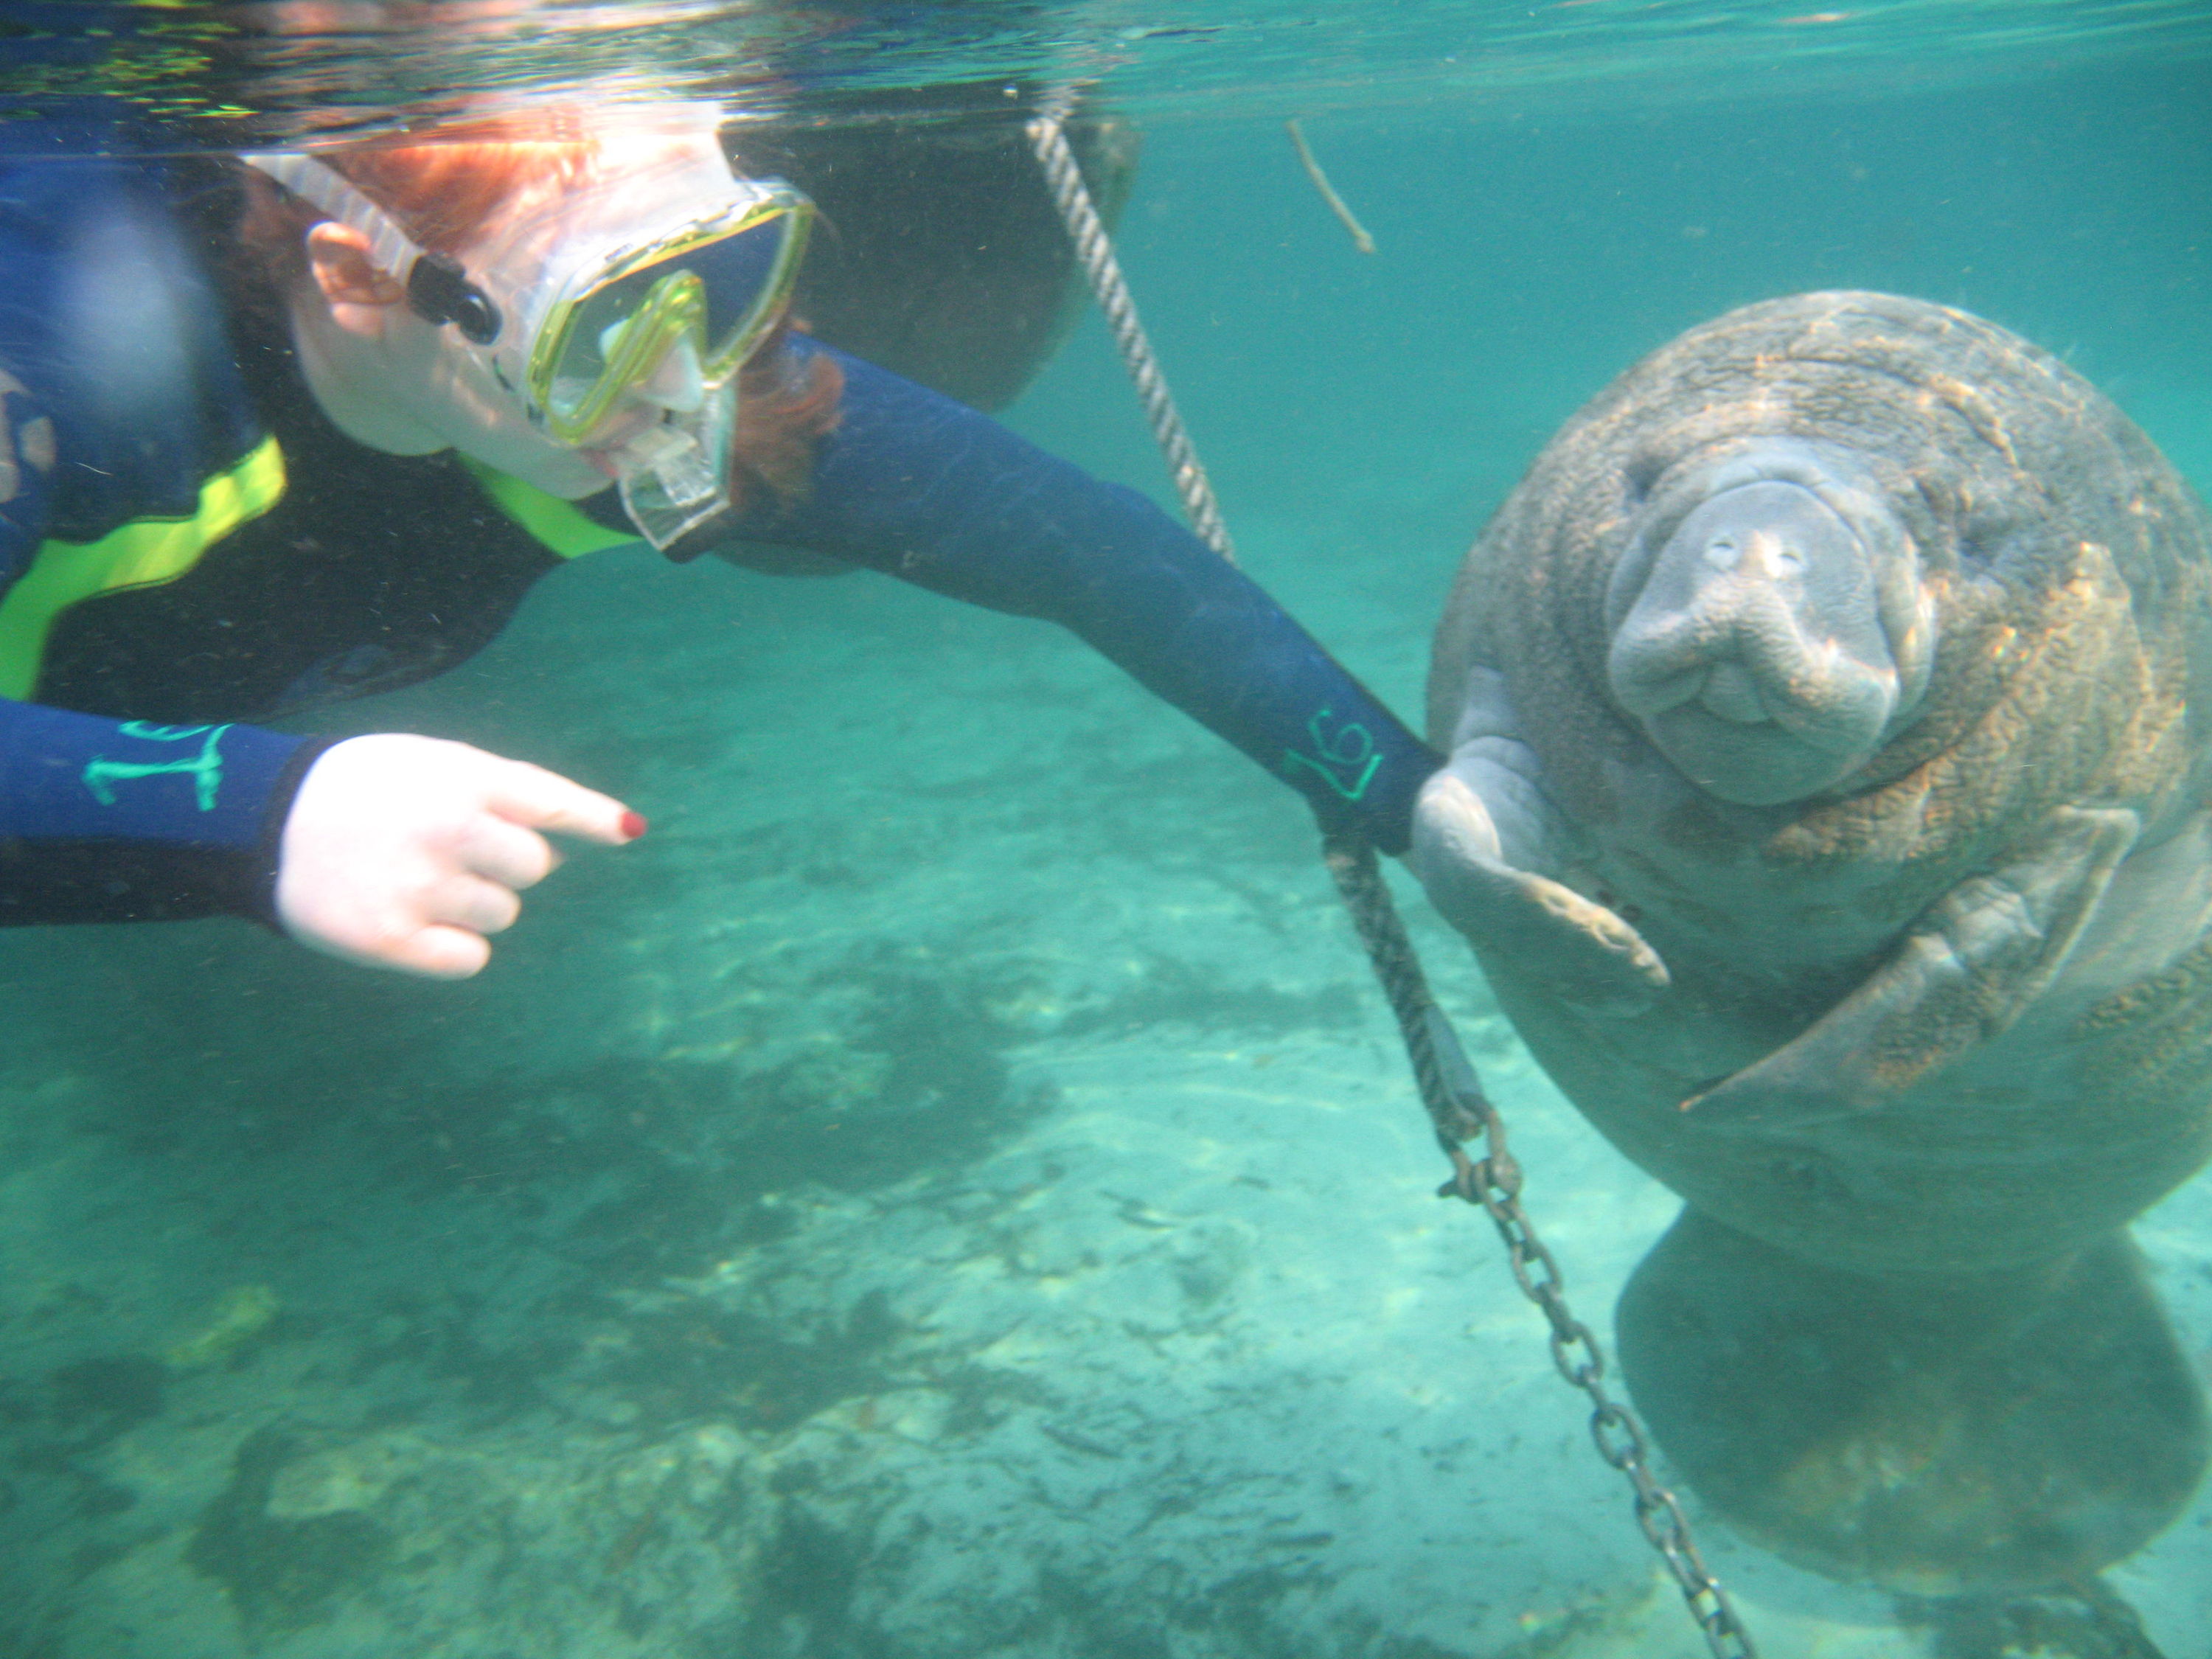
pixel 1641 472
pixel 1981 539
pixel 1973 533
pixel 1936 496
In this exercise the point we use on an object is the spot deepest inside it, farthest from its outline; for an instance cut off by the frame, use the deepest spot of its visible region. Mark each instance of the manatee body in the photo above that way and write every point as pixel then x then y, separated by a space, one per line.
pixel 1825 810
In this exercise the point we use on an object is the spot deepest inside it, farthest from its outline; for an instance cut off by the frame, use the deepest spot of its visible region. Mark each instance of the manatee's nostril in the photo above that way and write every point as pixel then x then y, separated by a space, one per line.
pixel 1721 553
pixel 1776 555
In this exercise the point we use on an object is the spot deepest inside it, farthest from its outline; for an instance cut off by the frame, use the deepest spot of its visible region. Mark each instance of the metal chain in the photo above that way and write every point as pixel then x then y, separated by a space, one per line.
pixel 1459 1112
pixel 1094 249
pixel 1457 1108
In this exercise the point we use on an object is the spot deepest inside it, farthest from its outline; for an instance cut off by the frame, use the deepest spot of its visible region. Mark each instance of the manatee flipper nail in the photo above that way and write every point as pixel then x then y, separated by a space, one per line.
pixel 1981 956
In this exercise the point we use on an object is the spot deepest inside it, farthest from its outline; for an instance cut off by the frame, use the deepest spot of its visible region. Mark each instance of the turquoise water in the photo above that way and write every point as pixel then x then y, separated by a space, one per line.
pixel 953 1189
pixel 220 76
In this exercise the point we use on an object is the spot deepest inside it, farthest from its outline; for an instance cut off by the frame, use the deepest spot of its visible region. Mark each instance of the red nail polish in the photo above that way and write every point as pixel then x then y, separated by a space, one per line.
pixel 634 825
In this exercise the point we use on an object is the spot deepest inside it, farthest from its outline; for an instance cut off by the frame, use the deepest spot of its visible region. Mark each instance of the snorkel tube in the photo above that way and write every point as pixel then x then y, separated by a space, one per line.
pixel 438 289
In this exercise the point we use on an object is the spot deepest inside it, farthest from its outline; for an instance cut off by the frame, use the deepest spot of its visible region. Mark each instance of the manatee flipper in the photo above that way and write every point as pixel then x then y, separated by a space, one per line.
pixel 1966 970
pixel 1939 1435
pixel 1578 950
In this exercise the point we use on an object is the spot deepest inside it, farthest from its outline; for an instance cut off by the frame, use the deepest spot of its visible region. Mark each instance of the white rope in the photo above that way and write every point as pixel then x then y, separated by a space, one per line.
pixel 1095 250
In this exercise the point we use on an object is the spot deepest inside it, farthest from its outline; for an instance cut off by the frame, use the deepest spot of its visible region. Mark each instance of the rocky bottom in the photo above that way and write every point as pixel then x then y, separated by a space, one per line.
pixel 968 1204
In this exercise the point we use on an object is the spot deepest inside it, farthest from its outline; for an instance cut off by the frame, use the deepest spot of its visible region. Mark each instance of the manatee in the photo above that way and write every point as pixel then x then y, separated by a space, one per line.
pixel 1826 813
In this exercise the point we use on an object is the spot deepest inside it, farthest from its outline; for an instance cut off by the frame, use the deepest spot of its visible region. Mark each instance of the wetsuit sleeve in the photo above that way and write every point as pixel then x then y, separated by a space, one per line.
pixel 925 488
pixel 105 820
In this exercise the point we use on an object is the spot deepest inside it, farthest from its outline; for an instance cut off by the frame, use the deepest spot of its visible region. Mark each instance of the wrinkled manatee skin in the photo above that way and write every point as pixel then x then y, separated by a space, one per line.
pixel 1999 909
pixel 1823 805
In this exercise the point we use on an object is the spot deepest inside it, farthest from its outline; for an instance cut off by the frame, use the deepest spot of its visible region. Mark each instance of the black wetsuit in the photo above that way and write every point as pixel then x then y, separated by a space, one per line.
pixel 186 542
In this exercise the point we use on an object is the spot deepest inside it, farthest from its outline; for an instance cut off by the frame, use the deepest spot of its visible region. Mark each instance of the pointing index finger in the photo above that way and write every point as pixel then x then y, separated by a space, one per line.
pixel 538 799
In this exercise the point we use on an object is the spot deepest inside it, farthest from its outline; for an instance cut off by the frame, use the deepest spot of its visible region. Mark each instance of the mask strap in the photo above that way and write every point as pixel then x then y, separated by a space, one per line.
pixel 438 289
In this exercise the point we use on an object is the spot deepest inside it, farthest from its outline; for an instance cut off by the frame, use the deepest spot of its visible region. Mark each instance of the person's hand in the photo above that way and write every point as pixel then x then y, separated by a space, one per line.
pixel 403 852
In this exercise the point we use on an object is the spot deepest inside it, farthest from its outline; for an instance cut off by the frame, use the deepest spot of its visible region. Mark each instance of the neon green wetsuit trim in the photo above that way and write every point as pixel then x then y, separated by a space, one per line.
pixel 561 527
pixel 149 552
pixel 143 553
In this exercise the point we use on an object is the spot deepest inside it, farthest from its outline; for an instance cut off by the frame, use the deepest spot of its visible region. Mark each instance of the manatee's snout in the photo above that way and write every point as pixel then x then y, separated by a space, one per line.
pixel 1768 629
pixel 1760 607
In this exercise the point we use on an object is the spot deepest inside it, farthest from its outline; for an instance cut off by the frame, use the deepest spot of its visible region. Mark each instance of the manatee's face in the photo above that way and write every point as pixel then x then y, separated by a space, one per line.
pixel 1769 628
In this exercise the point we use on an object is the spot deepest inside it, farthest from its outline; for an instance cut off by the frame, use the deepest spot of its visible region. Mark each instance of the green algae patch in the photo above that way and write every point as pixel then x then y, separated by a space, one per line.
pixel 285 1565
pixel 239 1319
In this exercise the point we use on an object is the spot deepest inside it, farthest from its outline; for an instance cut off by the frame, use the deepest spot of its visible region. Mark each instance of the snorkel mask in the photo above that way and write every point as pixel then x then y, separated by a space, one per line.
pixel 640 297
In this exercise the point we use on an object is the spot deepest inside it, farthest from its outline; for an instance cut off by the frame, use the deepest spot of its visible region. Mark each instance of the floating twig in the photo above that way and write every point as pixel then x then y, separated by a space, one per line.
pixel 1360 238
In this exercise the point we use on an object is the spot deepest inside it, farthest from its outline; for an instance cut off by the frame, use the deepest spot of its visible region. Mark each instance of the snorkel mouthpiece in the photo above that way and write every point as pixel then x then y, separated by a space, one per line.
pixel 676 474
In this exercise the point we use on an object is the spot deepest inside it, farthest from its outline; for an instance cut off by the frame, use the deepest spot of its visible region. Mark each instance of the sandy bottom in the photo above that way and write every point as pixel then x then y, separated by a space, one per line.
pixel 952 1190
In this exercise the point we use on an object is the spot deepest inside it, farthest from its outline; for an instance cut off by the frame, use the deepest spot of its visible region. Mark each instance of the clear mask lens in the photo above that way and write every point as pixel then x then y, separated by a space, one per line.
pixel 720 290
pixel 676 384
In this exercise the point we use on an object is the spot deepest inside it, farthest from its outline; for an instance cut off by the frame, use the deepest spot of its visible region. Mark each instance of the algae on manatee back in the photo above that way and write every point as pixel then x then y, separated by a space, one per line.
pixel 242 1315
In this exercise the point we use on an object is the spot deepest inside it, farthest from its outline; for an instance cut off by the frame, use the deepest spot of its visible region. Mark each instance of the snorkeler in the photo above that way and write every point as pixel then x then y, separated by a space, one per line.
pixel 329 454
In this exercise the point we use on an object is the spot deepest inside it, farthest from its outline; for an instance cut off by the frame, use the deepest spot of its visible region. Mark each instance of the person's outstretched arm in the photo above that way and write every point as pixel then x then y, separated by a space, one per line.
pixel 925 488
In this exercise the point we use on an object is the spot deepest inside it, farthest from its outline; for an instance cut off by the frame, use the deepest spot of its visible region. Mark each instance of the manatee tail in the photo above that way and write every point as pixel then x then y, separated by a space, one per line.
pixel 2087 1620
pixel 1939 1435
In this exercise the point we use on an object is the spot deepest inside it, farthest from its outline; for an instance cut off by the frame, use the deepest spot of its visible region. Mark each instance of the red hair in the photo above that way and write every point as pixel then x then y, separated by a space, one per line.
pixel 442 189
